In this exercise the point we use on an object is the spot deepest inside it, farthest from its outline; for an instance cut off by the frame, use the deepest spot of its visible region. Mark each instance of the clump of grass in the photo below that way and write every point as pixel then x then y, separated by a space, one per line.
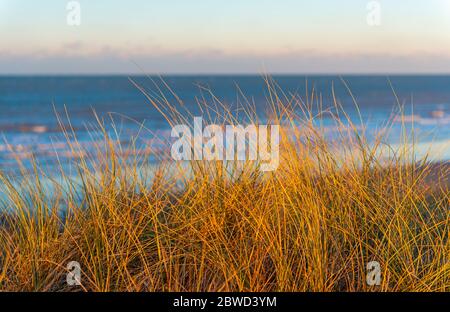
pixel 332 206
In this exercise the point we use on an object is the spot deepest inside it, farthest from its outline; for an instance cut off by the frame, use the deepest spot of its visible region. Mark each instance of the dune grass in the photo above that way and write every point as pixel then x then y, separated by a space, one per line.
pixel 331 207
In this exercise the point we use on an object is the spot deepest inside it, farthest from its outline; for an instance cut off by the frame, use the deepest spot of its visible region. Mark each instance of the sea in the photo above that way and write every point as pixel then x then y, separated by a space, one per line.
pixel 35 109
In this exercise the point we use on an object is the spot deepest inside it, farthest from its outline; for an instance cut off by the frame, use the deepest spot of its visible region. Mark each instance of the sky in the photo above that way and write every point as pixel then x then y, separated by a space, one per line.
pixel 224 36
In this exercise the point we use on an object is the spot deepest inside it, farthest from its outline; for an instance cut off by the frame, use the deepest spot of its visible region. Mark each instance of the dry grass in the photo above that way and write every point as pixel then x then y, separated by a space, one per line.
pixel 311 225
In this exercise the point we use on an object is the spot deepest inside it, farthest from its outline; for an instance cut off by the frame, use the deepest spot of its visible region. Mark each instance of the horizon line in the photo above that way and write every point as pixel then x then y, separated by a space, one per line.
pixel 224 74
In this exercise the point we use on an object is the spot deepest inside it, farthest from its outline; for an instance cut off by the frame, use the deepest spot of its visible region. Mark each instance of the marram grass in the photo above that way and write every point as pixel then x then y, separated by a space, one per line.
pixel 331 207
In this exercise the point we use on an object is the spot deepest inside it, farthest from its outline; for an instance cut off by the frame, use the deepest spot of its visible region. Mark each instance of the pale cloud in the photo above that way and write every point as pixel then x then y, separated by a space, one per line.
pixel 110 60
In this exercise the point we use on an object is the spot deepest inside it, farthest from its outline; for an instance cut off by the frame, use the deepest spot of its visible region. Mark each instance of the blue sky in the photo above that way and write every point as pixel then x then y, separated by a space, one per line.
pixel 227 36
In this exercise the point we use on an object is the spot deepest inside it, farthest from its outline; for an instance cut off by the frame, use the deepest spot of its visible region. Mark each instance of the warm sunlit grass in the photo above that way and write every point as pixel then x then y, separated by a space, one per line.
pixel 331 207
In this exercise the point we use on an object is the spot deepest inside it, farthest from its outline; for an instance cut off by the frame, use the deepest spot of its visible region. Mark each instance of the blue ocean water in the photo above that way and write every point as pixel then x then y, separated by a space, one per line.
pixel 28 104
